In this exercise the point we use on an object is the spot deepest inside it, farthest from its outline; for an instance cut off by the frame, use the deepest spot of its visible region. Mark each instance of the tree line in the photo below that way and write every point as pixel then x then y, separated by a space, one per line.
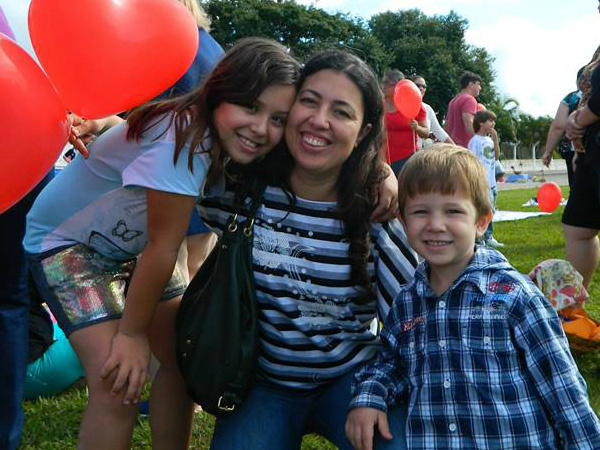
pixel 431 46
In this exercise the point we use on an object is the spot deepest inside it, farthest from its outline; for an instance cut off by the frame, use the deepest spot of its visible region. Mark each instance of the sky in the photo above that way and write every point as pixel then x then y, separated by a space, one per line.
pixel 538 45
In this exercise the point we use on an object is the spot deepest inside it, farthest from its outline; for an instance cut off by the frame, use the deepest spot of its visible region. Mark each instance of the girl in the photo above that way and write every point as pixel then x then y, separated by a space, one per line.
pixel 319 264
pixel 86 231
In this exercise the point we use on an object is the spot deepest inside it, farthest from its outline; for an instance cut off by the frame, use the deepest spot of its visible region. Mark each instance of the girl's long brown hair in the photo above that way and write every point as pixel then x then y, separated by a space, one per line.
pixel 246 70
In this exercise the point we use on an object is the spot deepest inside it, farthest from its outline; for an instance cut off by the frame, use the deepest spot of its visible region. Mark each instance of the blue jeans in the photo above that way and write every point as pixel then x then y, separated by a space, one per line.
pixel 14 311
pixel 397 422
pixel 273 417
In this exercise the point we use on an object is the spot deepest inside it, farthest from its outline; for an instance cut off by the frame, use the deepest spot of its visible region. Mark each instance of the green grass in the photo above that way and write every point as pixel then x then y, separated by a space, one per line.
pixel 51 424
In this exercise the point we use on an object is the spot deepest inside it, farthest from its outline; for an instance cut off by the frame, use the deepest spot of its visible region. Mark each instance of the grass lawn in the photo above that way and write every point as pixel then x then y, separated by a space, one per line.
pixel 51 423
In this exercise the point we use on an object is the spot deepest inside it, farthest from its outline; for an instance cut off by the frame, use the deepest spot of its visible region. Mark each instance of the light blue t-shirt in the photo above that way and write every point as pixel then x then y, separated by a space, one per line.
pixel 101 201
pixel 483 148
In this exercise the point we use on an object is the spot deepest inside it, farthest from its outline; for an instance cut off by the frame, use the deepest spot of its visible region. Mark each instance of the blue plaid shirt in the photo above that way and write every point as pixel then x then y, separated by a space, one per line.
pixel 484 366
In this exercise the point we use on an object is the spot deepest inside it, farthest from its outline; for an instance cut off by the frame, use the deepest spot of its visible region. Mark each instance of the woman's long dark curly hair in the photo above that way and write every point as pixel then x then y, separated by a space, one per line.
pixel 246 70
pixel 360 174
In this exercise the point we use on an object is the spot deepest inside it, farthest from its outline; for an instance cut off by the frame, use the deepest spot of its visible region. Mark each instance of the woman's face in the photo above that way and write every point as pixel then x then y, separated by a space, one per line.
pixel 249 132
pixel 325 123
pixel 422 85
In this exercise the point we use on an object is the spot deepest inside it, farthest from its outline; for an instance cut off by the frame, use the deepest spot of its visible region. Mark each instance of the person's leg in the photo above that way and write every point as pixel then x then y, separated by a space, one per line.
pixel 55 370
pixel 270 418
pixel 198 247
pixel 328 412
pixel 397 422
pixel 14 305
pixel 490 229
pixel 171 408
pixel 581 248
pixel 106 423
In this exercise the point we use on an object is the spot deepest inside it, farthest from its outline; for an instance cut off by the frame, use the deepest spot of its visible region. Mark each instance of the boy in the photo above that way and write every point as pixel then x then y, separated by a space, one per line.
pixel 473 355
pixel 484 144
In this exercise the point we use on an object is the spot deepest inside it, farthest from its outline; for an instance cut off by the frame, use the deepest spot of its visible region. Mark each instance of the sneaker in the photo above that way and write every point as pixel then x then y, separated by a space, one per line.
pixel 531 202
pixel 491 242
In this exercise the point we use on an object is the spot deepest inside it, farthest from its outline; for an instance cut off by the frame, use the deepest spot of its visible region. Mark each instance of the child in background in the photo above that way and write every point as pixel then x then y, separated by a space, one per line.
pixel 484 144
pixel 473 355
pixel 110 250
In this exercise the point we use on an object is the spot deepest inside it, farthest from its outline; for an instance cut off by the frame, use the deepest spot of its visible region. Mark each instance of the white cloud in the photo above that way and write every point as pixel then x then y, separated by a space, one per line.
pixel 537 64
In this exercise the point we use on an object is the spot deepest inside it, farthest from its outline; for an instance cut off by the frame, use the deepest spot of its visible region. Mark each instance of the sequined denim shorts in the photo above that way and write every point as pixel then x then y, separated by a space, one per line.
pixel 83 288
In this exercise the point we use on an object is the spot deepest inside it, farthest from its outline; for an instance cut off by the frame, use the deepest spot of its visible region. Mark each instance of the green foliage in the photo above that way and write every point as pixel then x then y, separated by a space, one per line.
pixel 303 29
pixel 434 47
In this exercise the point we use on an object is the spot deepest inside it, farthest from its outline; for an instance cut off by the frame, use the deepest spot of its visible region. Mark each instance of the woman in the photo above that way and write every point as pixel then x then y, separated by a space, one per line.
pixel 431 119
pixel 402 133
pixel 322 271
pixel 581 217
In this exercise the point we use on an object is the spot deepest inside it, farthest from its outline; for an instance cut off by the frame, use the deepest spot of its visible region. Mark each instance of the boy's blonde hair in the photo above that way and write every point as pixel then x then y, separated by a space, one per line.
pixel 445 169
pixel 197 11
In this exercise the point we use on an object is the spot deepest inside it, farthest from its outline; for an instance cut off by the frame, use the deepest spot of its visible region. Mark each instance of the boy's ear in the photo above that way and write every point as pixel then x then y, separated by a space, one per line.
pixel 483 222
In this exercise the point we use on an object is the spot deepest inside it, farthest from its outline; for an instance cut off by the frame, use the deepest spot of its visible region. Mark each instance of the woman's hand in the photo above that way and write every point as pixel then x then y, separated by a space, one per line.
pixel 130 357
pixel 386 207
pixel 547 158
pixel 360 427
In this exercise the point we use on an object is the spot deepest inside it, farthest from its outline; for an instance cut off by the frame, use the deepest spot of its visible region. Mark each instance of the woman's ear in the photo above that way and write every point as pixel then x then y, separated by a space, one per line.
pixel 363 133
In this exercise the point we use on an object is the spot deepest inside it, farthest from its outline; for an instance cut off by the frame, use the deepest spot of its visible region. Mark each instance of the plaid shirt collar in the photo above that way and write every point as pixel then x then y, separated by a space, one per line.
pixel 484 258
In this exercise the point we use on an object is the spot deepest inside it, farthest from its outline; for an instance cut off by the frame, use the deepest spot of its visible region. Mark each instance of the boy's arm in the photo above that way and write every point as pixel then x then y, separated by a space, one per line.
pixel 379 383
pixel 556 379
pixel 494 136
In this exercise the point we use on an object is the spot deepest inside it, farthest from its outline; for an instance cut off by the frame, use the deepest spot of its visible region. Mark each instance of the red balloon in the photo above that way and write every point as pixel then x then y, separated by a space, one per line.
pixel 549 196
pixel 107 56
pixel 480 107
pixel 407 99
pixel 33 123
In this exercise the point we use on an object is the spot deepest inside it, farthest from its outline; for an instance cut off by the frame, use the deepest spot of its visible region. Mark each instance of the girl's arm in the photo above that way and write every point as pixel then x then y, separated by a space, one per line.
pixel 168 219
pixel 420 127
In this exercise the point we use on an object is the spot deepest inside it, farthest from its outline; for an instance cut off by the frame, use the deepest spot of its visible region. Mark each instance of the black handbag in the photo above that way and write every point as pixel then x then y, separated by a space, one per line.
pixel 217 324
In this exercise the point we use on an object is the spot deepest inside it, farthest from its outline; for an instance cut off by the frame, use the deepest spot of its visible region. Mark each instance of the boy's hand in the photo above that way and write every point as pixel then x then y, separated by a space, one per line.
pixel 414 124
pixel 494 134
pixel 360 426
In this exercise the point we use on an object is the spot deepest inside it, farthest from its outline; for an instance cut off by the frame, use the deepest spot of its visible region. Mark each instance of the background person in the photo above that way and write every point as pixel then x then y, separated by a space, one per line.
pixel 581 216
pixel 431 120
pixel 484 145
pixel 462 109
pixel 322 271
pixel 401 132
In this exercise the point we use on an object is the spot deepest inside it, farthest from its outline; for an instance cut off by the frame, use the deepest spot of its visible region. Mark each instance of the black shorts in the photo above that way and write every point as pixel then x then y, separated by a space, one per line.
pixel 583 207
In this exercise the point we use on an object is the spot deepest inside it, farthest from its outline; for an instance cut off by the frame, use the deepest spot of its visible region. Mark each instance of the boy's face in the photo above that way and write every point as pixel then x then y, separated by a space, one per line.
pixel 488 126
pixel 442 229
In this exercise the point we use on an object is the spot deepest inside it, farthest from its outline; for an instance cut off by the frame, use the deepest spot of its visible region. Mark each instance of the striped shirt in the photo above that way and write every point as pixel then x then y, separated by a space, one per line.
pixel 311 330
pixel 484 366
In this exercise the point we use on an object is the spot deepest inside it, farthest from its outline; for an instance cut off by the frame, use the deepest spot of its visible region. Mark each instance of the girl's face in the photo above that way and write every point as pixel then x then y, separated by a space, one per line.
pixel 249 132
pixel 325 123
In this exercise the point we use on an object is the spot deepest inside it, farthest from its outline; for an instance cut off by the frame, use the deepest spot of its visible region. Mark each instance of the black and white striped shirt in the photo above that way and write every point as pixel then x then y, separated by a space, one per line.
pixel 311 330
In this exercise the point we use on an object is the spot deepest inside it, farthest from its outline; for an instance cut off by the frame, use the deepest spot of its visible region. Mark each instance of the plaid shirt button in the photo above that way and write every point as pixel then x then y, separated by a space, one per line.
pixel 452 427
